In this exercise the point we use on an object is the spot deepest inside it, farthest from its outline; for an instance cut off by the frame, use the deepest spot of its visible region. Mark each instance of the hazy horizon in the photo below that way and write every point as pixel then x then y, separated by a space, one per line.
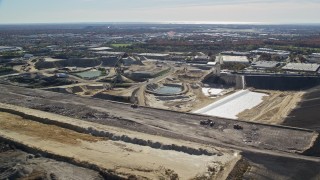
pixel 160 11
pixel 164 23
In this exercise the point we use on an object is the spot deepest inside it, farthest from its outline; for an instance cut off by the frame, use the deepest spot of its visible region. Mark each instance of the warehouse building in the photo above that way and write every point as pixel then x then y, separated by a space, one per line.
pixel 9 48
pixel 232 59
pixel 265 64
pixel 314 58
pixel 302 67
pixel 280 53
pixel 154 56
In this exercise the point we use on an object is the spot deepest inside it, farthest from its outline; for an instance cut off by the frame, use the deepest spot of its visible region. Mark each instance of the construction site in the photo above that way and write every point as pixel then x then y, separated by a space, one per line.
pixel 105 139
pixel 167 85
pixel 137 118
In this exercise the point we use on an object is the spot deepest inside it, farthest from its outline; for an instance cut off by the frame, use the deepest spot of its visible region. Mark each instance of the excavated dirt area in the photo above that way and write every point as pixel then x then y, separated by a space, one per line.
pixel 14 123
pixel 193 99
pixel 118 158
pixel 151 143
pixel 87 150
pixel 165 123
pixel 188 76
pixel 150 66
pixel 17 164
pixel 278 167
pixel 306 114
pixel 274 108
pixel 182 102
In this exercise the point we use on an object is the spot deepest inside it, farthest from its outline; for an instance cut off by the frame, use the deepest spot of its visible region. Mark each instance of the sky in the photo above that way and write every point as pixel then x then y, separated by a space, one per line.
pixel 170 11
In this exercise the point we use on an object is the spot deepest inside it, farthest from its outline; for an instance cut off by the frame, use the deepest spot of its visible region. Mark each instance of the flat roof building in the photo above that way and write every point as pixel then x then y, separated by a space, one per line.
pixel 9 48
pixel 302 67
pixel 27 56
pixel 265 64
pixel 314 58
pixel 233 59
pixel 154 55
pixel 235 53
pixel 279 53
pixel 100 48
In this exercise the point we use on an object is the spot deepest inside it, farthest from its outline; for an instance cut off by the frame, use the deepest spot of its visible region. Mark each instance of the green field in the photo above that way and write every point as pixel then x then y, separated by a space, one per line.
pixel 120 45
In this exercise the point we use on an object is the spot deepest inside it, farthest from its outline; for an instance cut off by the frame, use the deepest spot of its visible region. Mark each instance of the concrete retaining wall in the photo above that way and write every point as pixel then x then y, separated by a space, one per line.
pixel 268 82
pixel 286 83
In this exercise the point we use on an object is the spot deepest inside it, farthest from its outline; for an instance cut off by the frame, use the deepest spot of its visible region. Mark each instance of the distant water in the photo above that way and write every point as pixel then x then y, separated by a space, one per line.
pixel 89 74
pixel 168 90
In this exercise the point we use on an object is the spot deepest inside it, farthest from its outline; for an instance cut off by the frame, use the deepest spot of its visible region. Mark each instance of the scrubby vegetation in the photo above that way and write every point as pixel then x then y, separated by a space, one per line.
pixel 234 66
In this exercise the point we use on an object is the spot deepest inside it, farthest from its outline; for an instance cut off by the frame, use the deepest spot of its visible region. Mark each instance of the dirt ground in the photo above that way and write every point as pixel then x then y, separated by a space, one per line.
pixel 184 74
pixel 123 159
pixel 148 66
pixel 269 151
pixel 187 102
pixel 161 123
pixel 274 108
pixel 11 122
pixel 277 167
pixel 306 114
pixel 17 164
pixel 193 99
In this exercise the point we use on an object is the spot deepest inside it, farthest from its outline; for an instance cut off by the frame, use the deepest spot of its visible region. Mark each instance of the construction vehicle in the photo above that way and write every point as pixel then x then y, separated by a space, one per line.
pixel 134 105
pixel 237 127
pixel 207 123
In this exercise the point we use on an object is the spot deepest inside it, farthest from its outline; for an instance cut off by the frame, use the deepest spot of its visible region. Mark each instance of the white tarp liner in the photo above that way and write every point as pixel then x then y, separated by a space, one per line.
pixel 212 91
pixel 232 105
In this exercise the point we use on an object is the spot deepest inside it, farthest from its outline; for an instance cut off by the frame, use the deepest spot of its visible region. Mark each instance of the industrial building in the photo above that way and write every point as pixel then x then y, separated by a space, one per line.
pixel 28 56
pixel 154 56
pixel 100 48
pixel 280 53
pixel 314 58
pixel 235 53
pixel 265 64
pixel 9 48
pixel 232 59
pixel 109 53
pixel 302 67
pixel 199 59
